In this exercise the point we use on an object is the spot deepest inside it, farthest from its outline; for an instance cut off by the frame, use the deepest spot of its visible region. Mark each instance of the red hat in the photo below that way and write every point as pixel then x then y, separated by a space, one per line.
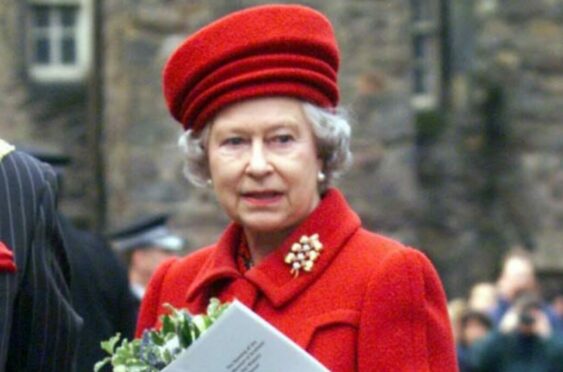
pixel 272 50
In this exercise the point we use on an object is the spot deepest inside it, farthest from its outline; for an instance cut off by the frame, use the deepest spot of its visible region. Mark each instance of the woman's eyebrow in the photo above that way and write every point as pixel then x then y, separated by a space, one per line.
pixel 283 124
pixel 230 130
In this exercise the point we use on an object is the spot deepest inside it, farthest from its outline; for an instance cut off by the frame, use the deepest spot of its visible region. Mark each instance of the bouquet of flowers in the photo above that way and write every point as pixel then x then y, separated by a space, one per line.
pixel 158 348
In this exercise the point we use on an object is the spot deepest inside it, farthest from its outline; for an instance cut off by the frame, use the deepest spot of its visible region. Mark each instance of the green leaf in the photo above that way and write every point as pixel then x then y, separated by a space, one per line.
pixel 216 308
pixel 98 366
pixel 167 324
pixel 213 306
pixel 208 321
pixel 196 331
pixel 167 356
pixel 109 345
pixel 157 338
pixel 185 334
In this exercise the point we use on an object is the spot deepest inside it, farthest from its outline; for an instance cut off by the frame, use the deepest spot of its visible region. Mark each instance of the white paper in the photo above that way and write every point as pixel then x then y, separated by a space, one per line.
pixel 241 341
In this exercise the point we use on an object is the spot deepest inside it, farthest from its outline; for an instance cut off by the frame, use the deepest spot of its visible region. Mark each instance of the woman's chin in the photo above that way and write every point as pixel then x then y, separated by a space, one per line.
pixel 264 224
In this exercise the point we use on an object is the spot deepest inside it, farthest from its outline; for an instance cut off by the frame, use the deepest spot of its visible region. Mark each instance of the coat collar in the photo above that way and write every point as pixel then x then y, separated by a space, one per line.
pixel 333 220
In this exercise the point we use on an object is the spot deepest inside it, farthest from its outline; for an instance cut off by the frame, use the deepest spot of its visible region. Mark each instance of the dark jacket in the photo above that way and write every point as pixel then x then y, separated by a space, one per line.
pixel 39 329
pixel 100 293
pixel 515 352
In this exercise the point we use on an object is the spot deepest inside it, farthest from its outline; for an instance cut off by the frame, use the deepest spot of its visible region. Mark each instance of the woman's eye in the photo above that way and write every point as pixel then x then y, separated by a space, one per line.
pixel 233 141
pixel 283 138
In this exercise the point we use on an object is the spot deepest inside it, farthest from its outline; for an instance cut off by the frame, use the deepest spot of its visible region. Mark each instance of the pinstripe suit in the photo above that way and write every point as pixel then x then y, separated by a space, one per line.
pixel 38 326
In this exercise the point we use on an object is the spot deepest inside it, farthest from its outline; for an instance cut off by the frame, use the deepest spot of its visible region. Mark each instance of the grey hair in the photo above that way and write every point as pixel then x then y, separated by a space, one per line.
pixel 332 136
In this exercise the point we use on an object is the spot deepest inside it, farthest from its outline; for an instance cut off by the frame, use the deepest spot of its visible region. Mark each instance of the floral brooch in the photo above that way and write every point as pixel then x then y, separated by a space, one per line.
pixel 302 255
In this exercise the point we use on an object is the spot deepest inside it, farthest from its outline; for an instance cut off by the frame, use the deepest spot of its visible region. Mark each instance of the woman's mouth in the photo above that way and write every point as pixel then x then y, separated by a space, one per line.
pixel 262 198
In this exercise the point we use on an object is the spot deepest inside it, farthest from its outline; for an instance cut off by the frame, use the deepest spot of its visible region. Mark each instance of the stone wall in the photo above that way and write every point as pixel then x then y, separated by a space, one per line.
pixel 49 118
pixel 491 175
pixel 15 123
pixel 521 55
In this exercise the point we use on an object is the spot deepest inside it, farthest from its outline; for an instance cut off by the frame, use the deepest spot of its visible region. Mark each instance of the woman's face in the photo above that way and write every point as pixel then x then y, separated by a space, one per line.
pixel 264 164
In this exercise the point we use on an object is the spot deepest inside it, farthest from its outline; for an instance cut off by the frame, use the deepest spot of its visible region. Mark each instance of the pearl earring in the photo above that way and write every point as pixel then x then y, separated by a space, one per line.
pixel 209 182
pixel 321 177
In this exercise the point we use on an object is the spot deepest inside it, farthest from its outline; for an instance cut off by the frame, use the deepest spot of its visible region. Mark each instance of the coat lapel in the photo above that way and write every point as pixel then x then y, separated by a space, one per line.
pixel 219 266
pixel 333 220
pixel 335 223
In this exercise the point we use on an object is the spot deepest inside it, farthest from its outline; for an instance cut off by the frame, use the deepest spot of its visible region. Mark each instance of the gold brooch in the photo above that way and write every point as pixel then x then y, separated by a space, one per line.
pixel 303 255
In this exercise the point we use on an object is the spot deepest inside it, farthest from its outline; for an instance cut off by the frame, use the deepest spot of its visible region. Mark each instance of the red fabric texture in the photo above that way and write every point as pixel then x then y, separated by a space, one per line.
pixel 271 50
pixel 369 304
pixel 6 259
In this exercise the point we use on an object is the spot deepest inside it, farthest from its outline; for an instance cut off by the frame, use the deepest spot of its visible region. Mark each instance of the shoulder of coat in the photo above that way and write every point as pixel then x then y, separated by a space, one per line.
pixel 5 148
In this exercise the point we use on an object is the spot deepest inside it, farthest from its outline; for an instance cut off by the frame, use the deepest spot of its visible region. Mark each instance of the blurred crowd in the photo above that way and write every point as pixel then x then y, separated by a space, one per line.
pixel 509 325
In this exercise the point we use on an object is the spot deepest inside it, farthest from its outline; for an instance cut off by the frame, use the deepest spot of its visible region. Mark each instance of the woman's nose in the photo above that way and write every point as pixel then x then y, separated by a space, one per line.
pixel 258 164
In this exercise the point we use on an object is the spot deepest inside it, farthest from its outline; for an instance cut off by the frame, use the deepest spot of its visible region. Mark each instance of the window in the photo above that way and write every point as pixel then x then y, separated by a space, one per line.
pixel 426 53
pixel 59 39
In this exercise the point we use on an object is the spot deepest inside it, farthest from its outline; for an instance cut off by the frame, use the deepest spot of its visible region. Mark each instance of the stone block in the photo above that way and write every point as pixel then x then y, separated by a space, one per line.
pixel 548 254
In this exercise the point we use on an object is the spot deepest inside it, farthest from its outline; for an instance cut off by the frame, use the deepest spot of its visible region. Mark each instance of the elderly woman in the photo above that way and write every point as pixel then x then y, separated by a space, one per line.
pixel 257 94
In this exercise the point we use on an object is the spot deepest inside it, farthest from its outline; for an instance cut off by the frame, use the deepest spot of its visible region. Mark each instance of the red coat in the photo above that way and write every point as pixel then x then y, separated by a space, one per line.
pixel 369 304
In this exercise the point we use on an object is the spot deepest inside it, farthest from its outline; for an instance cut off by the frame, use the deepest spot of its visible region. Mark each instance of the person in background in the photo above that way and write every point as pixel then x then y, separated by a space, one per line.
pixel 483 297
pixel 99 289
pixel 456 308
pixel 556 306
pixel 39 327
pixel 475 326
pixel 257 94
pixel 518 277
pixel 523 342
pixel 144 244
